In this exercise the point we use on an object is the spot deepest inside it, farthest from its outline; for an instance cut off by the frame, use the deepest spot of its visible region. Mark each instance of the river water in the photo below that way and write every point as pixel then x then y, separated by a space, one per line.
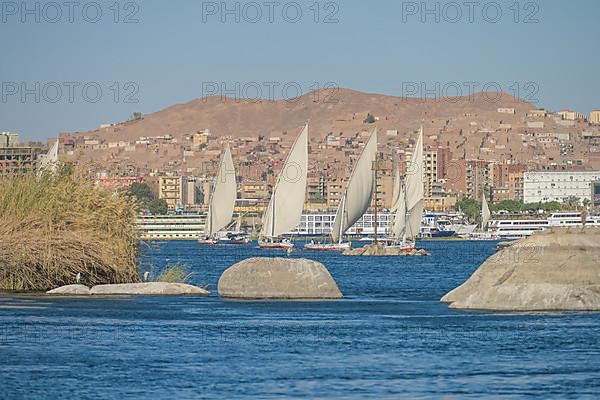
pixel 388 338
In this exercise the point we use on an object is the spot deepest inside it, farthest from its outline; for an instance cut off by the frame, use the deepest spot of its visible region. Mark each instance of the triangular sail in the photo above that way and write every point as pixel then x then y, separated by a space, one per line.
pixel 396 188
pixel 399 227
pixel 414 190
pixel 49 161
pixel 485 214
pixel 359 191
pixel 287 201
pixel 222 201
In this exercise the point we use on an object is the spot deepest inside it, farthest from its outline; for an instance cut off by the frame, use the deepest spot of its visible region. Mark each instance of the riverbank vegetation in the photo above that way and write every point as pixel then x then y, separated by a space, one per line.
pixel 472 207
pixel 58 228
pixel 147 201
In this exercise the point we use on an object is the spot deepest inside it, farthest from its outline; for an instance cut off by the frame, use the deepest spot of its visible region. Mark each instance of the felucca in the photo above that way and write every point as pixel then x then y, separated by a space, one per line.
pixel 482 233
pixel 408 207
pixel 356 200
pixel 222 199
pixel 287 201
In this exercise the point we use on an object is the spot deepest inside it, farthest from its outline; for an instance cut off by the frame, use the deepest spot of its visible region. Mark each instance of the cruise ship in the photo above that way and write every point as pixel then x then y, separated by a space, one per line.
pixel 191 226
pixel 520 228
pixel 319 225
pixel 171 227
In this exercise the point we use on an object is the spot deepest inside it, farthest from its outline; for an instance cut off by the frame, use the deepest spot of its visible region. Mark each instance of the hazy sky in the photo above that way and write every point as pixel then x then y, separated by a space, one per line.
pixel 152 54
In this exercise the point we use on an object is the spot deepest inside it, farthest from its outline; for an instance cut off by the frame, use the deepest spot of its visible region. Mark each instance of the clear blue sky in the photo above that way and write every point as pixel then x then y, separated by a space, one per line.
pixel 176 47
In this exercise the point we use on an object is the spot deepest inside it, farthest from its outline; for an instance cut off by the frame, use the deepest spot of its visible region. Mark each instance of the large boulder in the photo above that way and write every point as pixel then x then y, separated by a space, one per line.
pixel 148 289
pixel 379 250
pixel 71 290
pixel 278 278
pixel 554 270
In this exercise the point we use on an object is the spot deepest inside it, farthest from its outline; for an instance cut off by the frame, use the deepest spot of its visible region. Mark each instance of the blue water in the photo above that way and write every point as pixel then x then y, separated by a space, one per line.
pixel 388 338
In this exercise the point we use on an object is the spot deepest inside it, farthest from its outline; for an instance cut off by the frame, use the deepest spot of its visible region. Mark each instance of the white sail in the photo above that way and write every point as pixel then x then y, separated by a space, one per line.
pixel 396 188
pixel 287 201
pixel 222 201
pixel 49 161
pixel 415 192
pixel 399 227
pixel 359 191
pixel 485 214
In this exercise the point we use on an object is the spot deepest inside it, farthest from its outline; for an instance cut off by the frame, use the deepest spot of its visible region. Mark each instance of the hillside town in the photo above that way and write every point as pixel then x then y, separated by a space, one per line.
pixel 513 153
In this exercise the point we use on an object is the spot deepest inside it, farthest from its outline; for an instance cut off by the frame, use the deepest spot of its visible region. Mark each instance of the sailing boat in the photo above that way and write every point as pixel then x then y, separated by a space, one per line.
pixel 49 161
pixel 356 200
pixel 408 207
pixel 287 201
pixel 482 233
pixel 485 214
pixel 222 199
pixel 236 236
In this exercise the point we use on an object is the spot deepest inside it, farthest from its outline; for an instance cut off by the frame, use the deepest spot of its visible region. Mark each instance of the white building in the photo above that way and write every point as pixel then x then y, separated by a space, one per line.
pixel 558 186
pixel 506 110
pixel 9 139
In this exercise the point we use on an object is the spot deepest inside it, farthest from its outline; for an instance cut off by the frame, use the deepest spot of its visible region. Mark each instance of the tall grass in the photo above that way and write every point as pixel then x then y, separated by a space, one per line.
pixel 175 274
pixel 58 225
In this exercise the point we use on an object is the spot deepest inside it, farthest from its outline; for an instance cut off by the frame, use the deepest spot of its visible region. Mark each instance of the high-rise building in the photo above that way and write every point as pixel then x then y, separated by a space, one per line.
pixel 192 195
pixel 546 186
pixel 508 181
pixel 479 177
pixel 173 189
pixel 431 171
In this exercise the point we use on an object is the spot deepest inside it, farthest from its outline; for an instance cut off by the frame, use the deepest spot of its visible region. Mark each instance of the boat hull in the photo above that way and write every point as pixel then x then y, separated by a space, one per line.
pixel 443 234
pixel 207 242
pixel 328 246
pixel 284 245
pixel 400 246
pixel 228 242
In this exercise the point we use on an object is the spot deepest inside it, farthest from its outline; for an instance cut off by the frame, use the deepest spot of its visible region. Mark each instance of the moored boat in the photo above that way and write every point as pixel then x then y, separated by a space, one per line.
pixel 356 200
pixel 408 207
pixel 328 246
pixel 222 200
pixel 208 241
pixel 275 243
pixel 287 201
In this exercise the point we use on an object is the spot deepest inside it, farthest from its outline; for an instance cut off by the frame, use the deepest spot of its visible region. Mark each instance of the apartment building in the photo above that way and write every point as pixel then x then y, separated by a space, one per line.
pixel 546 186
pixel 17 160
pixel 173 189
pixel 479 177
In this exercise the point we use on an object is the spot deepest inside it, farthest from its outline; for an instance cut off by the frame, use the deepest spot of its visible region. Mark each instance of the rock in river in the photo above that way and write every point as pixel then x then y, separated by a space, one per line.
pixel 378 250
pixel 278 278
pixel 554 270
pixel 71 290
pixel 149 289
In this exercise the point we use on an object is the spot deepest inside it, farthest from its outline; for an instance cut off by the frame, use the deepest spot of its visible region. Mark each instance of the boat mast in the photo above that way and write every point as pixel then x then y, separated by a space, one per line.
pixel 375 167
pixel 273 213
pixel 344 217
pixel 406 215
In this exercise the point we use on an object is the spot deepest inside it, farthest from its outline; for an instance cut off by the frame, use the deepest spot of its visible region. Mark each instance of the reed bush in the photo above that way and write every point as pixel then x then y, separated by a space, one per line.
pixel 59 225
pixel 175 274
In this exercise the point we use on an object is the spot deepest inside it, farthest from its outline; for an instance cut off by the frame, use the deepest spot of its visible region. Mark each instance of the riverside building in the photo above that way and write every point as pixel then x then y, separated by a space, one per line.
pixel 558 186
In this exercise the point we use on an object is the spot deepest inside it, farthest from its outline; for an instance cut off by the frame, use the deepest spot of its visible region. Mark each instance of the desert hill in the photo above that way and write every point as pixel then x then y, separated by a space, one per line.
pixel 334 110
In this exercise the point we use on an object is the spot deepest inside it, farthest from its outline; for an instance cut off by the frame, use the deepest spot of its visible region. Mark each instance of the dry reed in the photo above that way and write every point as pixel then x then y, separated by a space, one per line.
pixel 175 274
pixel 58 225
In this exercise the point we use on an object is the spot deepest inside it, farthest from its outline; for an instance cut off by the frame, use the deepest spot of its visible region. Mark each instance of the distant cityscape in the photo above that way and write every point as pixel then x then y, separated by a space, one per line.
pixel 526 156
